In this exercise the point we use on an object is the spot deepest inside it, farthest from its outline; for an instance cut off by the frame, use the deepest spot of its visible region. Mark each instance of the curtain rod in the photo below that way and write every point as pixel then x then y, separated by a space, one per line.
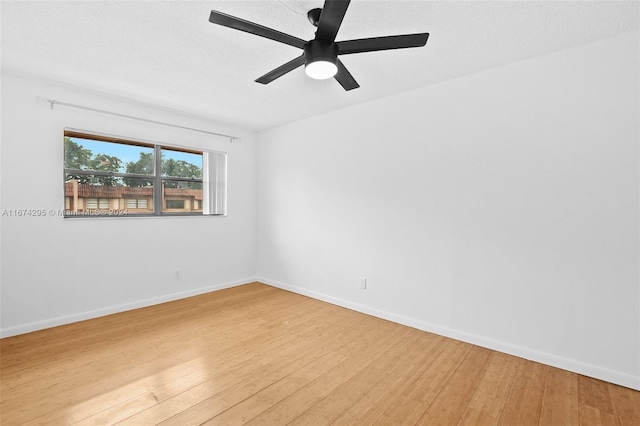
pixel 162 123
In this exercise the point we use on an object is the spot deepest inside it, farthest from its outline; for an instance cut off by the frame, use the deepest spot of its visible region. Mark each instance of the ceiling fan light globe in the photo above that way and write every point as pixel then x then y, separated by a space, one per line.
pixel 321 70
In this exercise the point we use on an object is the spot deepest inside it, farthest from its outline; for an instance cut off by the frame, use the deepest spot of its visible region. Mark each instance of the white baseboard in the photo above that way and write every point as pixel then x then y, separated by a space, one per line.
pixel 612 376
pixel 67 319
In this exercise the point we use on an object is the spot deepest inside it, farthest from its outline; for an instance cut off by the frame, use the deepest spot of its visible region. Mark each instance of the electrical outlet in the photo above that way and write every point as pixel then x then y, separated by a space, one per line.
pixel 363 283
pixel 177 274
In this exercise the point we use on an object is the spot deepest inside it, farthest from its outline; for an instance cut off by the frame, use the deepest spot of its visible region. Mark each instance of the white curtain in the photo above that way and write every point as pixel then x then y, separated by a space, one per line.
pixel 214 170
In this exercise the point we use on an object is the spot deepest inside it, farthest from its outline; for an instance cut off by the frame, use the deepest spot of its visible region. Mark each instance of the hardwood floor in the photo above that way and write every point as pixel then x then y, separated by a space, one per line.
pixel 258 355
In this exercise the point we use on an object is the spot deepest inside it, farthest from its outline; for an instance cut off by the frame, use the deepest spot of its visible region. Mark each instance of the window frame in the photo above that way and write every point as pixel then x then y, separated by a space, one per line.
pixel 157 178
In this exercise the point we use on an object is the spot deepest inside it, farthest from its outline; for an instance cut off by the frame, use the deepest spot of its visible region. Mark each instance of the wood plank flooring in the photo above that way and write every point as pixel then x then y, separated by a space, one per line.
pixel 258 355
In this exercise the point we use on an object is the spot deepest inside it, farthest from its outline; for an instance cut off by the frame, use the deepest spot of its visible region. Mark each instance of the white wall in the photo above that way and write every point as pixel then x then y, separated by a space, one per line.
pixel 500 208
pixel 57 270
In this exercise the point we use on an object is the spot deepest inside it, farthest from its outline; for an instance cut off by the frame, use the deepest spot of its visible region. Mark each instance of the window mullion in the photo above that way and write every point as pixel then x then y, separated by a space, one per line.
pixel 157 181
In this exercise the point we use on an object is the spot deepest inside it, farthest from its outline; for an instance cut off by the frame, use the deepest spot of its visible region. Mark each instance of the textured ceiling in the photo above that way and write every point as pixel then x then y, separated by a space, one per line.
pixel 167 52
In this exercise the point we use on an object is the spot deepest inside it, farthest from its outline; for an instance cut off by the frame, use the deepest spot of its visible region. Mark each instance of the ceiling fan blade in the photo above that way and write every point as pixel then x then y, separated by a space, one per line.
pixel 330 19
pixel 382 43
pixel 281 70
pixel 259 30
pixel 345 78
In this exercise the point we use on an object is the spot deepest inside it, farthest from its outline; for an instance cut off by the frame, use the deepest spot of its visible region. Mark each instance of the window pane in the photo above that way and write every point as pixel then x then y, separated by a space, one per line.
pixel 87 193
pixel 181 164
pixel 86 154
pixel 182 197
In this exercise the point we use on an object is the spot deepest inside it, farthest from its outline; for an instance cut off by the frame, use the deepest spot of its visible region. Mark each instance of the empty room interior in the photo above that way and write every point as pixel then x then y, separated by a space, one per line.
pixel 307 212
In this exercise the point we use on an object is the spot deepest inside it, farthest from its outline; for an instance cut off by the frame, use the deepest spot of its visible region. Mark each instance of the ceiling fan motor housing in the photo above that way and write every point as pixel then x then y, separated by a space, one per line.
pixel 320 50
pixel 320 59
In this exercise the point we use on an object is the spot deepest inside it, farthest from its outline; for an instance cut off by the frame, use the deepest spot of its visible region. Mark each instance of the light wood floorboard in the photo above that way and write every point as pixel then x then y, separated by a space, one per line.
pixel 258 355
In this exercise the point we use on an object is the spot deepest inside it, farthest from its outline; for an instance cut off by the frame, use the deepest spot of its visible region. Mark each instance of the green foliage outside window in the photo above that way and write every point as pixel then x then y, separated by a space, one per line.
pixel 78 157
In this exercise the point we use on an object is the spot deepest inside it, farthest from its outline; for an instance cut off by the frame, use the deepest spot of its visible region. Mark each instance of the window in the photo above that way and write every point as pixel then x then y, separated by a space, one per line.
pixel 97 203
pixel 133 203
pixel 110 176
pixel 174 204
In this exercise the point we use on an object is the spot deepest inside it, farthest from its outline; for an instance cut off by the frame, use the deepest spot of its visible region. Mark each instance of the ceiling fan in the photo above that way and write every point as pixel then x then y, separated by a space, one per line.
pixel 320 55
